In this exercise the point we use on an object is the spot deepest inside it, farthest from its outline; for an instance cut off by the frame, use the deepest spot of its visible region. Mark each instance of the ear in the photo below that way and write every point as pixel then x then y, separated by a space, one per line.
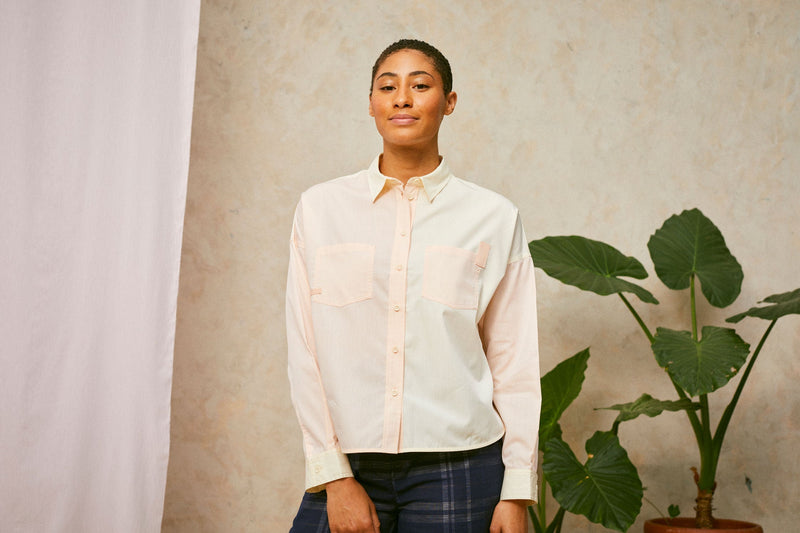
pixel 450 102
pixel 371 112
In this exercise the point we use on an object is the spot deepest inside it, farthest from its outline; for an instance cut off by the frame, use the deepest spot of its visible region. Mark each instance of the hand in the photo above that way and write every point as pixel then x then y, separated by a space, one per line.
pixel 510 516
pixel 349 508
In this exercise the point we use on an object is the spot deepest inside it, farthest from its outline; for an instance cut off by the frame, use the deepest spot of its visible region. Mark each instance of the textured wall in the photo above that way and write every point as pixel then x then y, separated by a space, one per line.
pixel 596 118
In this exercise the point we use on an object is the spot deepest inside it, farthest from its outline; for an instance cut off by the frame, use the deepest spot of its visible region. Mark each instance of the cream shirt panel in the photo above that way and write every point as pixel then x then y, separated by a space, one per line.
pixel 411 320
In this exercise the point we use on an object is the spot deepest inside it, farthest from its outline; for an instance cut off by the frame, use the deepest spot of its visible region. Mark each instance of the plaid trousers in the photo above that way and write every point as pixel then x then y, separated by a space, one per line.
pixel 420 492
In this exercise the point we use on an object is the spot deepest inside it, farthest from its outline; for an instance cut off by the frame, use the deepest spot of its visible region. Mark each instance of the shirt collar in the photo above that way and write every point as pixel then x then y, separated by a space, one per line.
pixel 432 183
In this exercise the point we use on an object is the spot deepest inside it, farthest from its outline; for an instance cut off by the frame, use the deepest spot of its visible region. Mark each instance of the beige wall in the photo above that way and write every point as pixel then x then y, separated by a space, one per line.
pixel 596 118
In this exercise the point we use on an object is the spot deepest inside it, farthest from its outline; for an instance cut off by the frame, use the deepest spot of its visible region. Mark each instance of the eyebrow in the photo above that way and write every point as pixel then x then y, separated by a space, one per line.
pixel 393 75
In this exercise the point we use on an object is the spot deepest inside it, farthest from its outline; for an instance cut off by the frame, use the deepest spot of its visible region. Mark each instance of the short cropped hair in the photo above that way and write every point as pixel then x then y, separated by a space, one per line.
pixel 440 63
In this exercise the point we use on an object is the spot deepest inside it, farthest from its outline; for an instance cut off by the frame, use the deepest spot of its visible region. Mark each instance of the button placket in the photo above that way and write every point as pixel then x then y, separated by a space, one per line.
pixel 395 341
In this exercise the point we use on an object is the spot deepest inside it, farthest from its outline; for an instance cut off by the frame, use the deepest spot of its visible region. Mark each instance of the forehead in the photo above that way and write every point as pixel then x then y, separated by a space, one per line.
pixel 405 61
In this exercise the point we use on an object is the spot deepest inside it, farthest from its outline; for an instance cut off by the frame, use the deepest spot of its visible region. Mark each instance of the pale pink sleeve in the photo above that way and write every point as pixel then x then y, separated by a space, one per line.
pixel 324 460
pixel 510 339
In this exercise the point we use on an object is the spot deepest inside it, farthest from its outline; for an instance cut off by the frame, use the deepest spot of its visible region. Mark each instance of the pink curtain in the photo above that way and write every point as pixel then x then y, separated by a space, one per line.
pixel 95 119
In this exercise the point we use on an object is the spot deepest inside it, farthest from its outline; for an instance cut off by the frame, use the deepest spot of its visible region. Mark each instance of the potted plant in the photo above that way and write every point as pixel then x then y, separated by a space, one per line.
pixel 687 249
pixel 605 488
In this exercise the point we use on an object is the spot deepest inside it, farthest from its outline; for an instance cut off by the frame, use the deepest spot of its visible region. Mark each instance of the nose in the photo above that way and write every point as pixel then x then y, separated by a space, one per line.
pixel 402 97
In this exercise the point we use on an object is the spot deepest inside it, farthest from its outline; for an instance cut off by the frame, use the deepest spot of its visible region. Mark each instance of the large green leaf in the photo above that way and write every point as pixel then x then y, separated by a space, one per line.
pixel 589 265
pixel 649 406
pixel 606 489
pixel 704 366
pixel 690 244
pixel 785 303
pixel 560 387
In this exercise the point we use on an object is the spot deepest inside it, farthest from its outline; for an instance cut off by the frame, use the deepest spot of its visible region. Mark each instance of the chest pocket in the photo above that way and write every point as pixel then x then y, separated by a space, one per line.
pixel 343 274
pixel 452 275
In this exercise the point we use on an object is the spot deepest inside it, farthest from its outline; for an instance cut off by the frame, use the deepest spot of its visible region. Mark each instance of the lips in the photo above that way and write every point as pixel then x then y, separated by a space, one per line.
pixel 402 119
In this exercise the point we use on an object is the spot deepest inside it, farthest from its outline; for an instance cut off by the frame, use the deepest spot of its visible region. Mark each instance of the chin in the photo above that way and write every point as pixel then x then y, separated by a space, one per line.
pixel 409 141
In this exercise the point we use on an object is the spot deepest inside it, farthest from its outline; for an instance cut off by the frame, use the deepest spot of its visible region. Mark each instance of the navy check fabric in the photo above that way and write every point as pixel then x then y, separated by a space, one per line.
pixel 430 492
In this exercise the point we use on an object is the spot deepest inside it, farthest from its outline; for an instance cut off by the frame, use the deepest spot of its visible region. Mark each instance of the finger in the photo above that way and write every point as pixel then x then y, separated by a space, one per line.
pixel 376 523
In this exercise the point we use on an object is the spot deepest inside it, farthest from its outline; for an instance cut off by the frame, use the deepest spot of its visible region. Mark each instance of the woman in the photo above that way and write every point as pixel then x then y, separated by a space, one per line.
pixel 411 321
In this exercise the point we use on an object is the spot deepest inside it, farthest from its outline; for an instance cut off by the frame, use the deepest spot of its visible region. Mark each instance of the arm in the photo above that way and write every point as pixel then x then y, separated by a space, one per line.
pixel 349 507
pixel 509 333
pixel 324 460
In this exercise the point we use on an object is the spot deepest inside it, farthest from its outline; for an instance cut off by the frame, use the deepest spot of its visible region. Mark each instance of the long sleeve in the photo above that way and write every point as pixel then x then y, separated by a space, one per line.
pixel 386 284
pixel 324 460
pixel 510 339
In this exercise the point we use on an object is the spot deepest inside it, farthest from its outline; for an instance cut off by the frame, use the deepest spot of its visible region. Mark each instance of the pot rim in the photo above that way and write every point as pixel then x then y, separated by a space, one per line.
pixel 686 525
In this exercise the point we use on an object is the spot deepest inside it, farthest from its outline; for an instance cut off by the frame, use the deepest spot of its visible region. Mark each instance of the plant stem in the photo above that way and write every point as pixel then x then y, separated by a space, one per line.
pixel 637 317
pixel 654 506
pixel 708 462
pixel 555 525
pixel 693 420
pixel 708 459
pixel 693 307
pixel 719 436
pixel 537 528
pixel 541 505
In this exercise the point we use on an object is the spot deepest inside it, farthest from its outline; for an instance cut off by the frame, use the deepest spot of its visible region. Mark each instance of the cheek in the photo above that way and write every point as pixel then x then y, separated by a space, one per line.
pixel 436 103
pixel 435 108
pixel 377 106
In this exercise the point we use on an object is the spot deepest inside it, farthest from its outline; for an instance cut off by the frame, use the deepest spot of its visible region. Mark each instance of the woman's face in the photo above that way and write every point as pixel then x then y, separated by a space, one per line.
pixel 408 100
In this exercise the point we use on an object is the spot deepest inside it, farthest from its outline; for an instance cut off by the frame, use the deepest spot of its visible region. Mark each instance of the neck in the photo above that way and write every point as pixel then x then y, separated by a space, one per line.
pixel 405 163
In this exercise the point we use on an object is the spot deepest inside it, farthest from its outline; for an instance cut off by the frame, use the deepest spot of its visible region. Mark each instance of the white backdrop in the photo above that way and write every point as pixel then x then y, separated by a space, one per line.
pixel 95 119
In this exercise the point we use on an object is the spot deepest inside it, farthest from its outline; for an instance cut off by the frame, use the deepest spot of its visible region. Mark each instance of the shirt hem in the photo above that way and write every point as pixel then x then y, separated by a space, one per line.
pixel 469 447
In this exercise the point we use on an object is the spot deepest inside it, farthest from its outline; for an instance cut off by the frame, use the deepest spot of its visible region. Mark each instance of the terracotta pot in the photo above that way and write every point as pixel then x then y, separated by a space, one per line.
pixel 686 525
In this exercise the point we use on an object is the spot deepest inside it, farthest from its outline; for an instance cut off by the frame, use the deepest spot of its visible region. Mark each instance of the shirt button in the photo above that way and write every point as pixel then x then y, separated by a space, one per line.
pixel 396 308
pixel 395 393
pixel 395 350
pixel 399 267
pixel 403 233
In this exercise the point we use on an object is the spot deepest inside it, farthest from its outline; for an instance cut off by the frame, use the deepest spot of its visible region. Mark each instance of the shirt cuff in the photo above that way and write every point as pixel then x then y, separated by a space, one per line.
pixel 325 467
pixel 519 484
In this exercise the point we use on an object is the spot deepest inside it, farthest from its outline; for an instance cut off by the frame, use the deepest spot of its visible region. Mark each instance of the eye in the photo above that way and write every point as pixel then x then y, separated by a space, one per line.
pixel 421 86
pixel 386 88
